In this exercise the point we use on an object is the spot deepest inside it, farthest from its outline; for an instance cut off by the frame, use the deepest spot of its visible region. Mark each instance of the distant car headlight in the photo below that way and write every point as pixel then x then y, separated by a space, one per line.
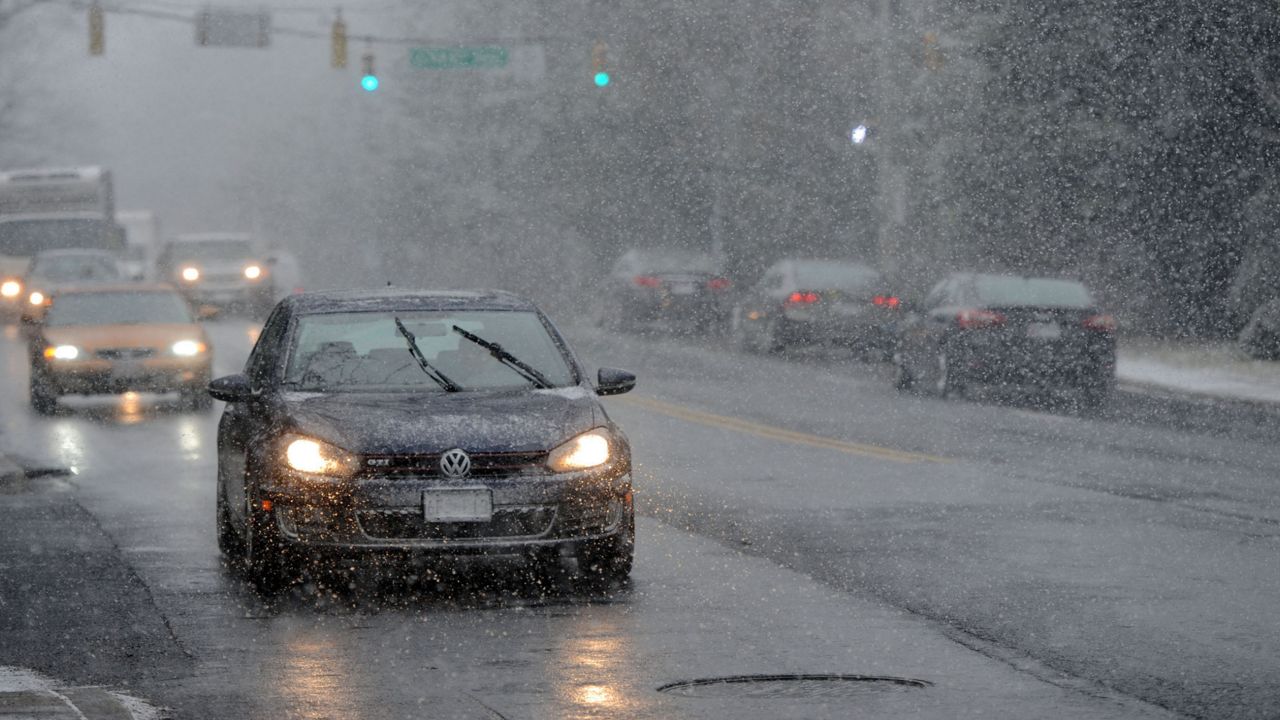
pixel 319 458
pixel 36 298
pixel 187 348
pixel 588 450
pixel 61 352
pixel 253 272
pixel 190 274
pixel 11 288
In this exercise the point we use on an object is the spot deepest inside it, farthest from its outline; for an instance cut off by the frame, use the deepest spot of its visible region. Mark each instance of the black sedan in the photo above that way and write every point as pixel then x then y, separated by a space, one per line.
pixel 1030 334
pixel 817 302
pixel 684 289
pixel 413 425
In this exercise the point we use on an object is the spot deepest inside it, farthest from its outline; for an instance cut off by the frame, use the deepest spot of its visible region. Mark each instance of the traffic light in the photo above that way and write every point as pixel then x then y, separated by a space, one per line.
pixel 368 78
pixel 600 64
pixel 97 30
pixel 338 56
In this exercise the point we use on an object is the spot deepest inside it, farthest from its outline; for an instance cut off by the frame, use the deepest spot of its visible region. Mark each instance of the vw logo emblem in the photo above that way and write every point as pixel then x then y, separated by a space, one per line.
pixel 455 464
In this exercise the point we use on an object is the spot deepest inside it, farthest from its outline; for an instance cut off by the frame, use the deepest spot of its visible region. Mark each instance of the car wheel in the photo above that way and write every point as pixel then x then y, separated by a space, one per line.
pixel 903 379
pixel 773 341
pixel 262 556
pixel 228 538
pixel 44 397
pixel 945 383
pixel 609 561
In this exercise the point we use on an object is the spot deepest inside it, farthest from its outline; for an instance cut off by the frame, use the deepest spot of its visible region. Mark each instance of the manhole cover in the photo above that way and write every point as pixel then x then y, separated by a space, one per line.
pixel 791 686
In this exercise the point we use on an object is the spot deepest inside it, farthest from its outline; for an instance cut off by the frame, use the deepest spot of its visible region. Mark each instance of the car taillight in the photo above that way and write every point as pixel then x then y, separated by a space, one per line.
pixel 803 298
pixel 646 281
pixel 1099 323
pixel 978 319
pixel 718 283
pixel 886 301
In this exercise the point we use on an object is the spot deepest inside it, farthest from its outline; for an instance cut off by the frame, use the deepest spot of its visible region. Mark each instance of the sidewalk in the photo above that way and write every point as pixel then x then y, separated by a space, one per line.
pixel 1210 369
pixel 26 694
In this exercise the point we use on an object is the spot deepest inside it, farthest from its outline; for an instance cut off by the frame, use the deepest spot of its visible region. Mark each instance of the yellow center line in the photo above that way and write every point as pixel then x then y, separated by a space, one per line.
pixel 776 433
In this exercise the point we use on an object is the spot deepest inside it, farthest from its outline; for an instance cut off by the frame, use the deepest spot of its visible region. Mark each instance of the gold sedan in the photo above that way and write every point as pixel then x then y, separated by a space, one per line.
pixel 97 340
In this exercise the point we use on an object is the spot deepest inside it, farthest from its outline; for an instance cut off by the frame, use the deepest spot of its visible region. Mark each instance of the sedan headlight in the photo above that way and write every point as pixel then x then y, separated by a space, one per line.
pixel 317 457
pixel 190 274
pixel 61 352
pixel 588 450
pixel 10 288
pixel 253 272
pixel 187 348
pixel 36 298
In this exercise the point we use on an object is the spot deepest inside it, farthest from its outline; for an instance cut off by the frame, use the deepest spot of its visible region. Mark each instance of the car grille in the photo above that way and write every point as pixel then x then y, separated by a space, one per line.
pixel 224 278
pixel 409 525
pixel 125 353
pixel 483 465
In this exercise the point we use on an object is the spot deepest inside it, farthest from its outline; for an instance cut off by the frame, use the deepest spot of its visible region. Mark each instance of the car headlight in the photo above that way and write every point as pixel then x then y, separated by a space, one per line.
pixel 253 272
pixel 317 457
pixel 187 348
pixel 190 274
pixel 36 298
pixel 61 352
pixel 10 288
pixel 588 450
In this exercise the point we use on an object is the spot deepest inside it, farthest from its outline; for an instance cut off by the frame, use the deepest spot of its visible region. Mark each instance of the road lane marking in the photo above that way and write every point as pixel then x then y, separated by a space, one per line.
pixel 776 433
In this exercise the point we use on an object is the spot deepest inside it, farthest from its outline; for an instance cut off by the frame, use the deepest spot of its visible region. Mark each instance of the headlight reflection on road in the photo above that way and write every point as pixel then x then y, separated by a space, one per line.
pixel 592 661
pixel 69 444
pixel 189 439
pixel 130 408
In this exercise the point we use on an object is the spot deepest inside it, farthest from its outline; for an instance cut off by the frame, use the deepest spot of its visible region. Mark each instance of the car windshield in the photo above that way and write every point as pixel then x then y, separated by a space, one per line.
pixel 1003 291
pixel 76 268
pixel 118 308
pixel 364 351
pixel 675 260
pixel 212 250
pixel 849 277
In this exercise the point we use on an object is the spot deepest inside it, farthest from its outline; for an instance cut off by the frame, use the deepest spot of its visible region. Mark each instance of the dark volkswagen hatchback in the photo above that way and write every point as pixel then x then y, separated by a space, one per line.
pixel 409 424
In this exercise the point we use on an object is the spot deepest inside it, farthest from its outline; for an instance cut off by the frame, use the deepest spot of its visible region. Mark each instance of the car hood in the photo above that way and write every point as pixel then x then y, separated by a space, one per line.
pixel 431 422
pixel 159 336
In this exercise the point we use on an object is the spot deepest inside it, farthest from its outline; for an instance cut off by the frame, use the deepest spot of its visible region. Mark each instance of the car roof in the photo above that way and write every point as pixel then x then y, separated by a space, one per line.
pixel 383 299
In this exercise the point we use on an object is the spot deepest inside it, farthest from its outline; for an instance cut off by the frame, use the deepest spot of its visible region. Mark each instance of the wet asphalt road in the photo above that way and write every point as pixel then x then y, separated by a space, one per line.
pixel 800 517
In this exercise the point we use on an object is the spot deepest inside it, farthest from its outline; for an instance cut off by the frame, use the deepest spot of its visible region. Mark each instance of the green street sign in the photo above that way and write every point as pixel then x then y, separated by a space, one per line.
pixel 458 58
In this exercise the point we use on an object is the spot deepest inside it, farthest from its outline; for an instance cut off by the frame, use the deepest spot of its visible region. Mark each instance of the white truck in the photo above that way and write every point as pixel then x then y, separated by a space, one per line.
pixel 142 243
pixel 51 209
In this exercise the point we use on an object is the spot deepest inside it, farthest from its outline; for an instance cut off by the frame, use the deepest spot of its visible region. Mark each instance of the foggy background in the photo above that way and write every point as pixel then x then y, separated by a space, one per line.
pixel 1131 145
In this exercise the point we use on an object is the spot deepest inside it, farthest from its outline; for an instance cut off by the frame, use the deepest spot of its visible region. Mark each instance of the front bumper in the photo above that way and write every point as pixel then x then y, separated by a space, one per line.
pixel 97 376
pixel 202 293
pixel 530 512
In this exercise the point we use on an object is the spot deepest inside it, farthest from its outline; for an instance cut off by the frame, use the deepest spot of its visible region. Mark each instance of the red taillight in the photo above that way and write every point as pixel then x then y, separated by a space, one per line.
pixel 978 319
pixel 718 283
pixel 646 281
pixel 886 301
pixel 803 298
pixel 1099 323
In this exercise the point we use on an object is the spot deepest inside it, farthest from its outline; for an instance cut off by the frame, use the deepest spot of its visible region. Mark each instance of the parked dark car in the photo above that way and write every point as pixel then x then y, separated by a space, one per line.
pixel 685 289
pixel 804 302
pixel 1032 334
pixel 419 424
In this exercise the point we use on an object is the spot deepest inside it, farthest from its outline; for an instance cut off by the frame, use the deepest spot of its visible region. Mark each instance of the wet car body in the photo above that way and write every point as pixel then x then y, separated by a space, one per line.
pixel 104 340
pixel 1031 335
pixel 687 289
pixel 817 302
pixel 402 448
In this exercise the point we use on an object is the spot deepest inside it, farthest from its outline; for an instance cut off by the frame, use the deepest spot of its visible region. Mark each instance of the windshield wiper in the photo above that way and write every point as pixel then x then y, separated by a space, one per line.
pixel 432 372
pixel 523 369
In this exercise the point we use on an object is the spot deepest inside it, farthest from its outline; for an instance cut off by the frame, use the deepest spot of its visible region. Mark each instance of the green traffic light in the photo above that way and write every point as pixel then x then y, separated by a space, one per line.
pixel 602 79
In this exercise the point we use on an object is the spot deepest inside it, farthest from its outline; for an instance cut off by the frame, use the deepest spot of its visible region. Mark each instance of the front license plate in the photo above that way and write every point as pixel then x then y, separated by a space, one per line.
pixel 126 371
pixel 1044 331
pixel 465 505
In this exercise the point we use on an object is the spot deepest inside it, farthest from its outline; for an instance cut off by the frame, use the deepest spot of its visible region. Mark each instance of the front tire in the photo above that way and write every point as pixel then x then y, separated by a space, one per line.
pixel 945 383
pixel 44 397
pixel 903 380
pixel 263 556
pixel 608 561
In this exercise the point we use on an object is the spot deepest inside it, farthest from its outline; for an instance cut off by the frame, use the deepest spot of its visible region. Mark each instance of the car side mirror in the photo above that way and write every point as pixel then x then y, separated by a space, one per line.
pixel 231 388
pixel 611 381
pixel 207 312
